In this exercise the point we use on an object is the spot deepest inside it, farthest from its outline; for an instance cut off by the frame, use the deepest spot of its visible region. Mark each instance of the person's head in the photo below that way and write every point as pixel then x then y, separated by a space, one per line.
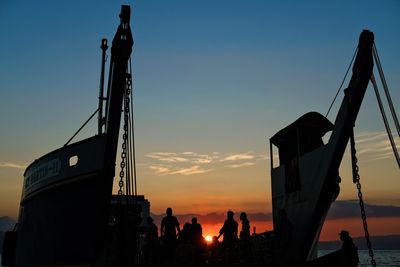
pixel 186 226
pixel 243 216
pixel 230 214
pixel 169 211
pixel 194 220
pixel 150 220
pixel 344 235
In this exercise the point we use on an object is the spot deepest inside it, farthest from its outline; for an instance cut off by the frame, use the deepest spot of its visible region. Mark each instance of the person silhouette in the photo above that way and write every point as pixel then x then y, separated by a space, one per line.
pixel 349 249
pixel 151 241
pixel 245 237
pixel 197 241
pixel 229 230
pixel 196 233
pixel 169 231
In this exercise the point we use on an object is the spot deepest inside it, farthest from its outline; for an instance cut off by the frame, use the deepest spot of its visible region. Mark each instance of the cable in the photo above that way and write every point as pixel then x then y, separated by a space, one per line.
pixel 84 124
pixel 334 99
pixel 386 89
pixel 385 121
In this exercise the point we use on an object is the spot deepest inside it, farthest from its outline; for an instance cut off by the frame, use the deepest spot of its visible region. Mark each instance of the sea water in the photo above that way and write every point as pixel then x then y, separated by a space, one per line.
pixel 382 257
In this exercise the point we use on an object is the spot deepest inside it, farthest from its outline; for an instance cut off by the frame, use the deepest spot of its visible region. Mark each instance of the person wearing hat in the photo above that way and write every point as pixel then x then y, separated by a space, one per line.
pixel 349 249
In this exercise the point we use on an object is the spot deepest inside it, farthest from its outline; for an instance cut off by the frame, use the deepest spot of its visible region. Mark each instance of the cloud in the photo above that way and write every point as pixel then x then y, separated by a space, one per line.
pixel 350 209
pixel 167 157
pixel 160 169
pixel 372 146
pixel 166 170
pixel 213 217
pixel 190 162
pixel 244 164
pixel 236 157
pixel 189 171
pixel 12 165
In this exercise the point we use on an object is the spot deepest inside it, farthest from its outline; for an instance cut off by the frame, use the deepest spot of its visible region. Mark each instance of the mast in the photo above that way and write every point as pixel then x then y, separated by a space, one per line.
pixel 354 95
pixel 344 122
pixel 120 53
pixel 103 47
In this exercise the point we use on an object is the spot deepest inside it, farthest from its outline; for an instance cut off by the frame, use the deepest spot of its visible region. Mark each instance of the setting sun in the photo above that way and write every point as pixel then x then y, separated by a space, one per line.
pixel 208 238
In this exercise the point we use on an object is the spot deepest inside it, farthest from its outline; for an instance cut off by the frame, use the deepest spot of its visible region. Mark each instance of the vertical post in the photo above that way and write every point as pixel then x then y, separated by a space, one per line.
pixel 101 97
pixel 271 155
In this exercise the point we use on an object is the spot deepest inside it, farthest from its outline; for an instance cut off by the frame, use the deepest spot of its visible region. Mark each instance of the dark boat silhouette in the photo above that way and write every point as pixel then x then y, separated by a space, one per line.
pixel 66 194
pixel 65 203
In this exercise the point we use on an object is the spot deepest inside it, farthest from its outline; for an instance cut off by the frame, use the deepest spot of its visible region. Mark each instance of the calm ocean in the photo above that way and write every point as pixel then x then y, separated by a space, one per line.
pixel 382 257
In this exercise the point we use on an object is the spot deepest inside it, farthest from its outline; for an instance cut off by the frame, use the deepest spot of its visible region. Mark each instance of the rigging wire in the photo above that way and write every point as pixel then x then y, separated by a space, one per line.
pixel 133 136
pixel 385 87
pixel 84 124
pixel 340 87
pixel 385 121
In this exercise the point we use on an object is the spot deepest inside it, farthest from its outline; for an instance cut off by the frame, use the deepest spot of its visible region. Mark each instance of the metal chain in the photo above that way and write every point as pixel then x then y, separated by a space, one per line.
pixel 124 138
pixel 356 180
pixel 127 130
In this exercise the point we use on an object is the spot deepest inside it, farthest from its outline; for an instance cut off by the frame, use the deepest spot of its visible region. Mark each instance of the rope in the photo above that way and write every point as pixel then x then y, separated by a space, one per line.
pixel 84 124
pixel 340 87
pixel 356 180
pixel 385 121
pixel 385 87
pixel 133 138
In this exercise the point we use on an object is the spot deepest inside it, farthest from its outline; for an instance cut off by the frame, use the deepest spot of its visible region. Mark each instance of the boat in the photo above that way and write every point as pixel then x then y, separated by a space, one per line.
pixel 306 182
pixel 65 209
pixel 66 195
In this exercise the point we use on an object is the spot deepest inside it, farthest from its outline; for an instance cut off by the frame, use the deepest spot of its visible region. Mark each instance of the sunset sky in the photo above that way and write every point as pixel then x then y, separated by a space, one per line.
pixel 213 81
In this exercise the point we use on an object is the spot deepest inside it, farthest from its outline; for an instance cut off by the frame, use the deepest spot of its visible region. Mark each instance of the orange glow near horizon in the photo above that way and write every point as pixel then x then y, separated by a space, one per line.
pixel 213 229
pixel 377 227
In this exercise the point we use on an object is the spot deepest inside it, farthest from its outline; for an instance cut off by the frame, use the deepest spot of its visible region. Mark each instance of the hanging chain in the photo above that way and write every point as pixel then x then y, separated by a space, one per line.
pixel 356 180
pixel 124 136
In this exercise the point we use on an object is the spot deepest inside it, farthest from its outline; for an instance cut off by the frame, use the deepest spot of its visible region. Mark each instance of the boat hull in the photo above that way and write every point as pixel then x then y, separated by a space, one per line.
pixel 65 206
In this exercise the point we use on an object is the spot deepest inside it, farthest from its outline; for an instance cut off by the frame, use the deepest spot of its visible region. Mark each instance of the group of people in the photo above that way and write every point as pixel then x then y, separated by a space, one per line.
pixel 176 244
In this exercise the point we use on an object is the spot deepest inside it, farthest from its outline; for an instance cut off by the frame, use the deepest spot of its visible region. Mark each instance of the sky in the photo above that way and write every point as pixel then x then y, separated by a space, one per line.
pixel 213 81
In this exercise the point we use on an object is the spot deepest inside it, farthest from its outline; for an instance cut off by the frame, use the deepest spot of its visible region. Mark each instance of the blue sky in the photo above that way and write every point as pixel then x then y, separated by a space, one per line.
pixel 210 77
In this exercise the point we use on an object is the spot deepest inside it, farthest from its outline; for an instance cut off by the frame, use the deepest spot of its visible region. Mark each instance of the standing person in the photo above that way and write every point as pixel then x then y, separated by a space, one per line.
pixel 229 230
pixel 197 233
pixel 151 252
pixel 245 237
pixel 169 231
pixel 197 241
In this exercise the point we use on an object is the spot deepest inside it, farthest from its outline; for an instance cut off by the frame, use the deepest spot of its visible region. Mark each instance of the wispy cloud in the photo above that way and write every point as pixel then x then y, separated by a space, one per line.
pixel 12 165
pixel 236 157
pixel 166 170
pixel 191 170
pixel 189 162
pixel 160 169
pixel 244 164
pixel 167 157
pixel 375 145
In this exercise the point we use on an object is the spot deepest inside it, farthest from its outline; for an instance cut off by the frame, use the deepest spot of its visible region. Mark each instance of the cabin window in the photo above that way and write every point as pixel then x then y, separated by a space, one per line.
pixel 73 161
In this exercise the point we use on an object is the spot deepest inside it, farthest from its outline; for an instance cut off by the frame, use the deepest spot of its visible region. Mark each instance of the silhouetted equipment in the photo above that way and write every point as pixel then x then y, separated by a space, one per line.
pixel 65 203
pixel 9 247
pixel 306 181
